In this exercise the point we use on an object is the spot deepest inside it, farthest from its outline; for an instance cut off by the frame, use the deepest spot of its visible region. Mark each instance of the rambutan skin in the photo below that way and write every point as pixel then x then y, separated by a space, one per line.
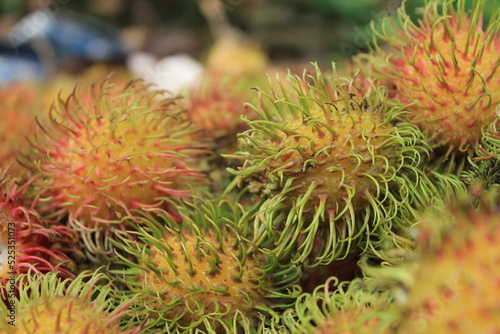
pixel 29 242
pixel 109 149
pixel 447 283
pixel 202 274
pixel 326 153
pixel 216 106
pixel 446 68
pixel 83 305
pixel 356 307
pixel 452 280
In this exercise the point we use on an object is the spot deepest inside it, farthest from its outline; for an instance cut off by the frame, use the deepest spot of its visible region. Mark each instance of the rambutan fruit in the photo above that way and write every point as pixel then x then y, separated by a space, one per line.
pixel 351 308
pixel 17 111
pixel 483 173
pixel 216 106
pixel 200 275
pixel 109 149
pixel 446 68
pixel 451 280
pixel 489 147
pixel 327 160
pixel 47 304
pixel 29 241
pixel 484 167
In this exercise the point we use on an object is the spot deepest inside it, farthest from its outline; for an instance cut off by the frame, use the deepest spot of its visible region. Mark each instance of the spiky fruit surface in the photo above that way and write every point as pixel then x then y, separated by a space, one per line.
pixel 483 173
pixel 454 288
pixel 108 149
pixel 28 241
pixel 17 111
pixel 447 66
pixel 489 149
pixel 328 157
pixel 62 84
pixel 47 304
pixel 354 308
pixel 484 170
pixel 216 106
pixel 202 275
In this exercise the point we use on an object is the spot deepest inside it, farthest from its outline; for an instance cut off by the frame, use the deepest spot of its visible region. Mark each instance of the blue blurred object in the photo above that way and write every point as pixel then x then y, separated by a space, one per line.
pixel 71 35
pixel 68 36
pixel 16 64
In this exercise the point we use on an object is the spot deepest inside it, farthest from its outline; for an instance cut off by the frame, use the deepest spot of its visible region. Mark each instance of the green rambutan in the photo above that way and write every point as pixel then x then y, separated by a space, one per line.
pixel 446 68
pixel 29 241
pixel 82 305
pixel 351 308
pixel 484 169
pixel 327 160
pixel 200 275
pixel 483 173
pixel 489 147
pixel 109 149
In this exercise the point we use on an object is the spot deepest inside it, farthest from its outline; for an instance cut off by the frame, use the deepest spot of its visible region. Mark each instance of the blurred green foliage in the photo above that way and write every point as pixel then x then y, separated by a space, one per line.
pixel 12 7
pixel 307 30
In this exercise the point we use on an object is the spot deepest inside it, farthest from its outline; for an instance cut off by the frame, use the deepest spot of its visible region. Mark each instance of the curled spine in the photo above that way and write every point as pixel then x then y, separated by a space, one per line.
pixel 334 307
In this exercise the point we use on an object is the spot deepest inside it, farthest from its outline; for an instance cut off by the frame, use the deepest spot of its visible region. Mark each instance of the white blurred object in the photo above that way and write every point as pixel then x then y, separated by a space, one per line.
pixel 176 74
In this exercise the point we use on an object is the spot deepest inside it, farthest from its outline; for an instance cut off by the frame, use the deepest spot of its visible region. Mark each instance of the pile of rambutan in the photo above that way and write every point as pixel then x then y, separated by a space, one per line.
pixel 313 203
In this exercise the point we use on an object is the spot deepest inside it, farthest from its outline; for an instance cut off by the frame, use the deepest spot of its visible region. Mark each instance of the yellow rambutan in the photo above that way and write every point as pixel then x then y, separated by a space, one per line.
pixel 201 275
pixel 354 307
pixel 47 304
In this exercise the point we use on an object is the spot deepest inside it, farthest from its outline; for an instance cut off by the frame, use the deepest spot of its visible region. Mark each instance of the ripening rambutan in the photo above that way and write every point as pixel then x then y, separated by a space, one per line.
pixel 201 275
pixel 456 285
pixel 18 105
pixel 351 308
pixel 47 304
pixel 327 160
pixel 109 149
pixel 216 106
pixel 451 280
pixel 28 241
pixel 446 67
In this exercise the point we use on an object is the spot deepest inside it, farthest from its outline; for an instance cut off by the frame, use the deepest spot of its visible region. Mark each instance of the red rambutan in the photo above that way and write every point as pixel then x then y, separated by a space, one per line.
pixel 109 149
pixel 446 68
pixel 28 241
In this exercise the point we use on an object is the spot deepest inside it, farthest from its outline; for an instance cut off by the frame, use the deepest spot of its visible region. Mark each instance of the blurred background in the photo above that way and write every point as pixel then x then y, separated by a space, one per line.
pixel 41 37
